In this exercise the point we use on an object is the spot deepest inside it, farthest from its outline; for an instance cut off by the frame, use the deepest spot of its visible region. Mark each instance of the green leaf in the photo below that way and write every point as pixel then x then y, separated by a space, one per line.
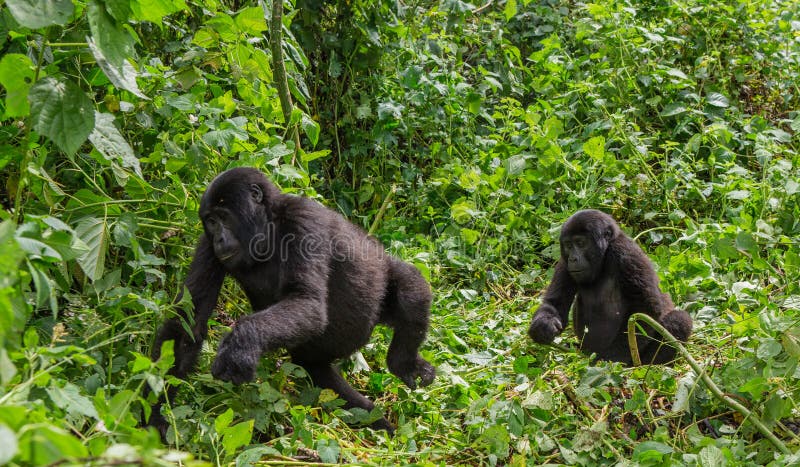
pixel 673 109
pixel 38 249
pixel 16 75
pixel 768 349
pixel 328 450
pixel 223 420
pixel 35 14
pixel 155 10
pixel 8 439
pixel 48 444
pixel 251 21
pixel 110 143
pixel 510 9
pixel 62 112
pixel 711 456
pixel 310 128
pixel 310 156
pixel 650 451
pixel 595 148
pixel 237 436
pixel 70 399
pixel 7 368
pixel 43 288
pixel 94 233
pixel 717 100
pixel 112 47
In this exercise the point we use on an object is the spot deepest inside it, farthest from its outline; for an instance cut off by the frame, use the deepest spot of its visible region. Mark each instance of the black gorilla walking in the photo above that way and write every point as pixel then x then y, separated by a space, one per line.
pixel 317 284
pixel 612 279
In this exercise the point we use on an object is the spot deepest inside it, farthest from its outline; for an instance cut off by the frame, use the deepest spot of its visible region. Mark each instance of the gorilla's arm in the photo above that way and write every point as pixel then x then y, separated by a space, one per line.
pixel 638 279
pixel 639 283
pixel 300 315
pixel 203 282
pixel 553 315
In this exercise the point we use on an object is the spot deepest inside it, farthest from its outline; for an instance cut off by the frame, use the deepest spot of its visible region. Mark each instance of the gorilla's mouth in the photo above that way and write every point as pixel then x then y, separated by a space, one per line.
pixel 227 256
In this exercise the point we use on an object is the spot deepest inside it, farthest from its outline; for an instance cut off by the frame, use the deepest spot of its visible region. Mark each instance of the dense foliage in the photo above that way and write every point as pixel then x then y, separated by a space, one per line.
pixel 462 135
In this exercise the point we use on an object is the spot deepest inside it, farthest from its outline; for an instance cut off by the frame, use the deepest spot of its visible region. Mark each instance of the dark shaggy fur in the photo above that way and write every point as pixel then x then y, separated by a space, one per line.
pixel 610 278
pixel 318 285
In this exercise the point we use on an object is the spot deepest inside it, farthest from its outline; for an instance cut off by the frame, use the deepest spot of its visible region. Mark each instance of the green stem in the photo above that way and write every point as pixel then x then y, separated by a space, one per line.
pixel 279 69
pixel 715 390
pixel 382 210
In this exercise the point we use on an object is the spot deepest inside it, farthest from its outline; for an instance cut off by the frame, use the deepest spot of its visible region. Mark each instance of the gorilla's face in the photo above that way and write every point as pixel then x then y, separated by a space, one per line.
pixel 583 256
pixel 231 218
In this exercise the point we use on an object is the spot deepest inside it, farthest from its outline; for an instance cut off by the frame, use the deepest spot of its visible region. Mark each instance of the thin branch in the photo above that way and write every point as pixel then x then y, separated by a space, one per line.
pixel 382 210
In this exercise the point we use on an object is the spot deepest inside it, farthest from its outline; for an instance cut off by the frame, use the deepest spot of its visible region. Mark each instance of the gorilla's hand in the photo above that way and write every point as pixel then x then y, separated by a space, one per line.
pixel 545 326
pixel 236 360
pixel 411 370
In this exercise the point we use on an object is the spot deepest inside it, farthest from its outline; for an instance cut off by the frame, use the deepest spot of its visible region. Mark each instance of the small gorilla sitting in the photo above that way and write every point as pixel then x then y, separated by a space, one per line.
pixel 613 279
pixel 318 285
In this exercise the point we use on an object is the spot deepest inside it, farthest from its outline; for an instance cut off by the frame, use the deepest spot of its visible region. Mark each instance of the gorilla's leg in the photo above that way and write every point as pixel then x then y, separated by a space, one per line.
pixel 407 310
pixel 326 376
pixel 679 324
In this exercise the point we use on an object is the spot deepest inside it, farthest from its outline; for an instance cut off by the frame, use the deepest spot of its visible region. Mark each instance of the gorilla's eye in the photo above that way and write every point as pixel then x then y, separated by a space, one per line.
pixel 211 222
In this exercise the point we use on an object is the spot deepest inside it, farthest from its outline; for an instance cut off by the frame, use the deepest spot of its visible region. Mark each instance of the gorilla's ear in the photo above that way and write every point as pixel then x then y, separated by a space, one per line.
pixel 256 193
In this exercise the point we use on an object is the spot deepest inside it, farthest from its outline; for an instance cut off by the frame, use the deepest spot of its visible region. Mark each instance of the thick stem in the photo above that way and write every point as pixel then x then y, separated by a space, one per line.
pixel 279 69
pixel 670 339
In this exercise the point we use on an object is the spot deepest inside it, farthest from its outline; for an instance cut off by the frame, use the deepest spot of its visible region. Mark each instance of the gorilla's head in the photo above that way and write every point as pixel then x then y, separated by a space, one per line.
pixel 235 210
pixel 584 239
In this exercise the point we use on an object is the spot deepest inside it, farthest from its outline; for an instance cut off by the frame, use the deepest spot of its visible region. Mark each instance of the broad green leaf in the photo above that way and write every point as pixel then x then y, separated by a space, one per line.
pixel 226 132
pixel 310 156
pixel 768 348
pixel 650 450
pixel 717 100
pixel 510 9
pixel 37 248
pixel 672 109
pixel 43 288
pixel 10 253
pixel 8 439
pixel 16 75
pixel 119 9
pixel 112 47
pixel 62 112
pixel 711 456
pixel 595 148
pixel 48 444
pixel 251 21
pixel 738 194
pixel 328 450
pixel 250 456
pixel 7 368
pixel 676 73
pixel 237 436
pixel 223 421
pixel 155 10
pixel 70 399
pixel 94 233
pixel 110 143
pixel 310 128
pixel 36 14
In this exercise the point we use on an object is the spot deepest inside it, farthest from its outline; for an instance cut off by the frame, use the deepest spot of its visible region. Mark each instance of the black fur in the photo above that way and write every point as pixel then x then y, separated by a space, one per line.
pixel 610 278
pixel 318 285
